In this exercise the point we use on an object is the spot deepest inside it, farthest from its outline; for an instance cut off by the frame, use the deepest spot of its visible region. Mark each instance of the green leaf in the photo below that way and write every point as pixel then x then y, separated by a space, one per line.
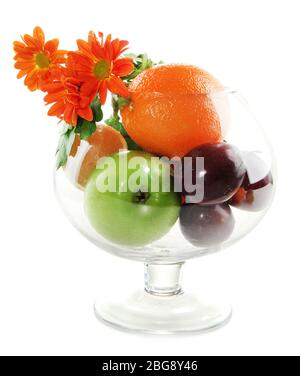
pixel 114 122
pixel 65 128
pixel 97 109
pixel 118 103
pixel 85 128
pixel 67 135
pixel 64 146
pixel 131 144
pixel 121 101
pixel 70 141
pixel 140 62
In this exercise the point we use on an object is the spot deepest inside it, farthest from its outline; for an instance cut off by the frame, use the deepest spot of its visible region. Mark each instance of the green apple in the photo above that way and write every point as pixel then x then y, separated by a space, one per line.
pixel 127 216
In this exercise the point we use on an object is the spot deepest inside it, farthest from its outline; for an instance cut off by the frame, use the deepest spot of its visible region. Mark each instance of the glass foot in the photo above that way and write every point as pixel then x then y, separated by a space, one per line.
pixel 181 313
pixel 162 308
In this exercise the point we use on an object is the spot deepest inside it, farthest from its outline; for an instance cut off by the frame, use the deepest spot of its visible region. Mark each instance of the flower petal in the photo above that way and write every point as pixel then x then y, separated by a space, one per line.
pixel 117 86
pixel 97 50
pixel 84 47
pixel 51 46
pixel 74 118
pixel 54 87
pixel 24 56
pixel 31 80
pixel 57 109
pixel 118 47
pixel 86 113
pixel 32 42
pixel 22 73
pixel 73 98
pixel 90 88
pixel 108 50
pixel 123 67
pixel 24 65
pixel 103 92
pixel 80 59
pixel 39 34
pixel 92 38
pixel 53 97
pixel 68 113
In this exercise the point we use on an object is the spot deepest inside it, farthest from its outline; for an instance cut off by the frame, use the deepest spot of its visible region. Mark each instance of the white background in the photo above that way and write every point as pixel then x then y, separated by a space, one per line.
pixel 50 274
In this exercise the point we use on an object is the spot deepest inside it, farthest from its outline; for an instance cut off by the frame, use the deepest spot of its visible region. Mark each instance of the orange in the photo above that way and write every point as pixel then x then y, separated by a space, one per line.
pixel 172 109
pixel 105 141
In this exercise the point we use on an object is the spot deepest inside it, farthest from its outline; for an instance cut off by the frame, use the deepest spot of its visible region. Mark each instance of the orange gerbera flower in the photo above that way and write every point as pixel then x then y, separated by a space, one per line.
pixel 67 99
pixel 38 60
pixel 99 66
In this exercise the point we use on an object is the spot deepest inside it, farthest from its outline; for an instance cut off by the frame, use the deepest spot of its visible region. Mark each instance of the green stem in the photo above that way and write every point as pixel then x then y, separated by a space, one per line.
pixel 115 107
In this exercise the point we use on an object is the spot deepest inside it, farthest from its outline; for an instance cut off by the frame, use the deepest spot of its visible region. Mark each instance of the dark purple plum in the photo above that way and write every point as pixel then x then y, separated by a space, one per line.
pixel 268 179
pixel 222 176
pixel 258 174
pixel 257 188
pixel 252 200
pixel 206 225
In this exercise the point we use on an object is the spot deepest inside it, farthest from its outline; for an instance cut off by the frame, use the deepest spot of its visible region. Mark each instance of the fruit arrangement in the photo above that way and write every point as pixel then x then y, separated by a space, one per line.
pixel 161 157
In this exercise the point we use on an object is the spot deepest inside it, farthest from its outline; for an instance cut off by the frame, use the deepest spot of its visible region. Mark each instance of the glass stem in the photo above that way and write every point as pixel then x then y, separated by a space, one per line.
pixel 163 280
